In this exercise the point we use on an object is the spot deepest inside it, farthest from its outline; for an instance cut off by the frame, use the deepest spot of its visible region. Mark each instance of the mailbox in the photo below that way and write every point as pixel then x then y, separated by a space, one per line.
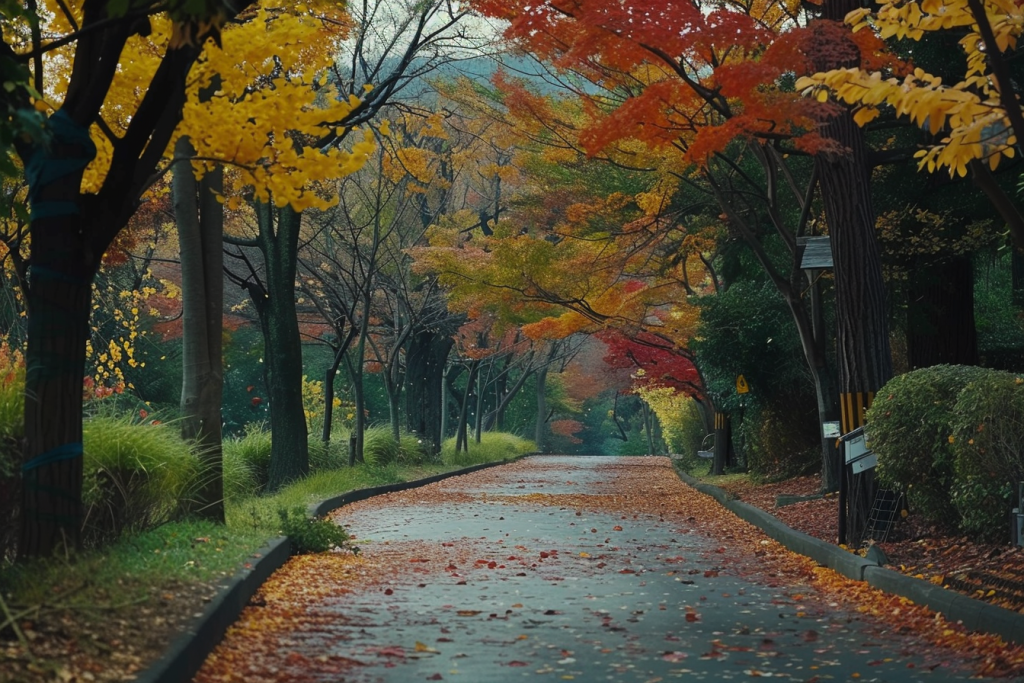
pixel 855 448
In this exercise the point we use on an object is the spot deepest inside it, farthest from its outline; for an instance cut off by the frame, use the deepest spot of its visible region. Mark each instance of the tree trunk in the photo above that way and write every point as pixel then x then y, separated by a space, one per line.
pixel 940 315
pixel 481 385
pixel 864 358
pixel 282 356
pixel 425 364
pixel 63 264
pixel 200 220
pixel 648 426
pixel 540 429
pixel 357 440
pixel 51 502
pixel 462 428
pixel 444 403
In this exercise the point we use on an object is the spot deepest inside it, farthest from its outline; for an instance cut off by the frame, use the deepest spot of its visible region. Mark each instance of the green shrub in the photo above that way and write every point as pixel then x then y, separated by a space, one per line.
pixel 379 446
pixel 330 458
pixel 135 475
pixel 253 449
pixel 988 440
pixel 411 451
pixel 982 506
pixel 778 440
pixel 311 534
pixel 493 446
pixel 239 477
pixel 910 424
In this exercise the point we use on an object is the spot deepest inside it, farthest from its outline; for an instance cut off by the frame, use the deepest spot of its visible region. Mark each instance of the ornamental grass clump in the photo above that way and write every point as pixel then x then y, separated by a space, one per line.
pixel 253 448
pixel 136 475
pixel 493 447
pixel 379 446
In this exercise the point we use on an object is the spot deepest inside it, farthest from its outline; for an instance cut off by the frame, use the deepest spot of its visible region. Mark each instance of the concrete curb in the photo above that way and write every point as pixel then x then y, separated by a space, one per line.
pixel 973 614
pixel 187 652
pixel 331 504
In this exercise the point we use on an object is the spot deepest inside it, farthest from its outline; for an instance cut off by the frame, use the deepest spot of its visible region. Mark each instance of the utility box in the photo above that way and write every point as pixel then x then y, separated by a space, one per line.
pixel 856 451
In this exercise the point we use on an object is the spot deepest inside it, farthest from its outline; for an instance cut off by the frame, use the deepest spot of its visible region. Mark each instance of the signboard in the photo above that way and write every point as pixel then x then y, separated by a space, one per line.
pixel 830 430
pixel 741 385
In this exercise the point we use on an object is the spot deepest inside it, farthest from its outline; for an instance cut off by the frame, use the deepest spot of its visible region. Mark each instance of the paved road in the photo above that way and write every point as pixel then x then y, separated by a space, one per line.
pixel 588 569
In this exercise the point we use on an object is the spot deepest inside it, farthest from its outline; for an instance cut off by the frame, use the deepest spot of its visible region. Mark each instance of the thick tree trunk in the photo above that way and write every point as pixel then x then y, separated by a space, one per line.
pixel 425 365
pixel 200 219
pixel 63 262
pixel 540 429
pixel 864 358
pixel 940 315
pixel 278 241
pixel 51 502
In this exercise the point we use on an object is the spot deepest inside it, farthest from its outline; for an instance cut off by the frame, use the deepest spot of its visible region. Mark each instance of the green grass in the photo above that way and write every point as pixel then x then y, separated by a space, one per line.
pixel 136 475
pixel 260 512
pixel 253 450
pixel 493 446
pixel 143 564
pixel 126 570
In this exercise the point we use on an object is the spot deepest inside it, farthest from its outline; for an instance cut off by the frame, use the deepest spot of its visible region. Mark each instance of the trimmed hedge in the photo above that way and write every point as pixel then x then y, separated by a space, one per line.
pixel 910 424
pixel 952 438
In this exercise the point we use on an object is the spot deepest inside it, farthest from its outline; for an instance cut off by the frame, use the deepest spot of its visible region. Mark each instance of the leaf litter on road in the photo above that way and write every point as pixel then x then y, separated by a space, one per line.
pixel 292 630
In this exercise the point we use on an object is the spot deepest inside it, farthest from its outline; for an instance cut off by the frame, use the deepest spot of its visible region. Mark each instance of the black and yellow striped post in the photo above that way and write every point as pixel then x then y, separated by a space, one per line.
pixel 723 445
pixel 852 407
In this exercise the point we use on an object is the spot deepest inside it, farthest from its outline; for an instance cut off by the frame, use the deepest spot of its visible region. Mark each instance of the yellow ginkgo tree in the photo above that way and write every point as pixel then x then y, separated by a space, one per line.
pixel 109 79
pixel 262 129
pixel 289 123
pixel 977 120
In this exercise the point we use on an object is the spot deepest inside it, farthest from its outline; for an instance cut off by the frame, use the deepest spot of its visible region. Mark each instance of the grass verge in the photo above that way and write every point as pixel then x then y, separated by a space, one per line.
pixel 139 567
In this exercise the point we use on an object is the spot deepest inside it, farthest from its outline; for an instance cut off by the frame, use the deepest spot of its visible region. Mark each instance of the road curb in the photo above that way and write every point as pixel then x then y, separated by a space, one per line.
pixel 955 607
pixel 324 507
pixel 187 652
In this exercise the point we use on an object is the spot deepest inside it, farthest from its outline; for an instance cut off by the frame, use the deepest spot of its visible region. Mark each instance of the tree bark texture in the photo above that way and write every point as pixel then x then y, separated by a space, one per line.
pixel 63 262
pixel 200 220
pixel 540 430
pixel 425 364
pixel 278 242
pixel 862 335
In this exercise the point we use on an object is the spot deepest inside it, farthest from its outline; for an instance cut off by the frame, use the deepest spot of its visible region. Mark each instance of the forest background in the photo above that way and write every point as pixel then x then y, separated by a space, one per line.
pixel 287 238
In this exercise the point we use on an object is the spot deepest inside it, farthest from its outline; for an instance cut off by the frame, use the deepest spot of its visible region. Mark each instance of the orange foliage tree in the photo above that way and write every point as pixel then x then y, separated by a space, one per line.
pixel 713 80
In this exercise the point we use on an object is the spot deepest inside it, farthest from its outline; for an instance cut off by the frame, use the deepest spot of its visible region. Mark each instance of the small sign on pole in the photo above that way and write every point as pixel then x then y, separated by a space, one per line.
pixel 741 385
